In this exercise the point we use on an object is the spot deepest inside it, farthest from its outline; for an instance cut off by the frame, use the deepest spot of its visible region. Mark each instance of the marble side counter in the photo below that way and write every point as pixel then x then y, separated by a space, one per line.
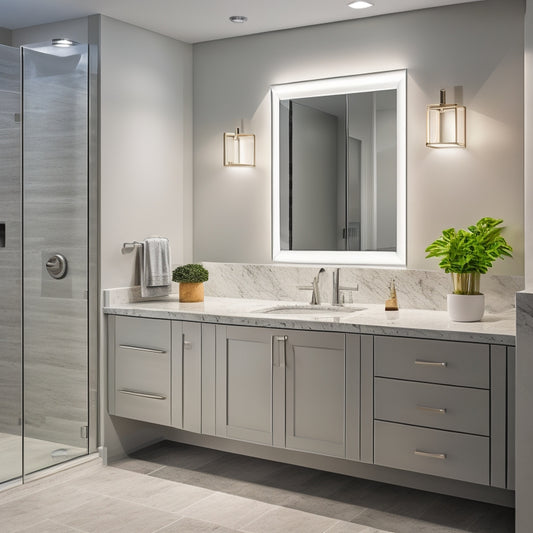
pixel 372 319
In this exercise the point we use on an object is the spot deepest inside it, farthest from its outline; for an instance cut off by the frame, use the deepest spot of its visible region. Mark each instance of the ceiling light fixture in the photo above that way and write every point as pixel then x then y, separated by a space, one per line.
pixel 63 43
pixel 360 4
pixel 238 19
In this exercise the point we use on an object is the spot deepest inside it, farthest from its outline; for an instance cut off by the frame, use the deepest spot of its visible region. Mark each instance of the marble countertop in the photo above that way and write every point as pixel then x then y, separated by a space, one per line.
pixel 372 319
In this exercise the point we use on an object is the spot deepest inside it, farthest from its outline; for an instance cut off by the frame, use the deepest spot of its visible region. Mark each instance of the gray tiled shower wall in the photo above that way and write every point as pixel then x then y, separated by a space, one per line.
pixel 10 253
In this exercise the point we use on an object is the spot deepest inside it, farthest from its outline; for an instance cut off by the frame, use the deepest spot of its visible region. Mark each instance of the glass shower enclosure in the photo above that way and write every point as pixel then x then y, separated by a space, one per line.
pixel 45 257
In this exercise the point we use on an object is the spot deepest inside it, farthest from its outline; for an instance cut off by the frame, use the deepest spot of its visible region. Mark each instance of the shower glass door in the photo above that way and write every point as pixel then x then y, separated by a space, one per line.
pixel 10 267
pixel 55 254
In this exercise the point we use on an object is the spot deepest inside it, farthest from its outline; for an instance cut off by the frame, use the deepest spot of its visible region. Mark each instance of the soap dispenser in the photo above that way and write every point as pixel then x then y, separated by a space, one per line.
pixel 392 303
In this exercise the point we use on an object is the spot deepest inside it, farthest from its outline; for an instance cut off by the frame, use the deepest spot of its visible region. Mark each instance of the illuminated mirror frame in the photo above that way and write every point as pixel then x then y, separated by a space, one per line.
pixel 382 81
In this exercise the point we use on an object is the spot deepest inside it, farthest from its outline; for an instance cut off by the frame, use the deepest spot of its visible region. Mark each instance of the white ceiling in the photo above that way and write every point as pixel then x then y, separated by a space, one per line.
pixel 203 20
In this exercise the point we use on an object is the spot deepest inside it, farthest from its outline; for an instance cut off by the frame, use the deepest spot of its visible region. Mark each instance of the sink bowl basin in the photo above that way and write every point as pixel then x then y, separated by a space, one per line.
pixel 309 310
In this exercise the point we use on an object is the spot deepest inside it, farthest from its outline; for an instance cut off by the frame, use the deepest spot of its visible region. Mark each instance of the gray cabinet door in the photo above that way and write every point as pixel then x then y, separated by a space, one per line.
pixel 187 376
pixel 315 392
pixel 244 359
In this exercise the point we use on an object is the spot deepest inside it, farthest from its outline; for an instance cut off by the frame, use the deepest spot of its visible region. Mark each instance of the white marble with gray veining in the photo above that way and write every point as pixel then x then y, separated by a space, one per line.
pixel 417 289
pixel 374 320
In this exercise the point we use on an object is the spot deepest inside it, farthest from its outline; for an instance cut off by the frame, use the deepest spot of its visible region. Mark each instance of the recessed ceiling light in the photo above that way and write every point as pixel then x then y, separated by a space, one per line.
pixel 360 4
pixel 63 42
pixel 238 19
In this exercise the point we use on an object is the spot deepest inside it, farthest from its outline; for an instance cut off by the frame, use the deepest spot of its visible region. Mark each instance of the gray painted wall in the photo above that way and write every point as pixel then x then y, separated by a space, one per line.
pixel 10 245
pixel 145 169
pixel 5 36
pixel 145 146
pixel 478 46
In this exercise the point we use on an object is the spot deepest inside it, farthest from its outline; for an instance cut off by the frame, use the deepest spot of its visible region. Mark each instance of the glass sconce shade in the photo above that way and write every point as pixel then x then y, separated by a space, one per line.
pixel 446 125
pixel 239 149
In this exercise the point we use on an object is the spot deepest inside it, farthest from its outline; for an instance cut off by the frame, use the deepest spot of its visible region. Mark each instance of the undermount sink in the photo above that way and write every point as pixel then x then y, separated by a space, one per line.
pixel 309 310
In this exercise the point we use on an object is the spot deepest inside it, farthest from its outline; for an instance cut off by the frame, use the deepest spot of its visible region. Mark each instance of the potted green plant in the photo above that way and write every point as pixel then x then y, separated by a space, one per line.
pixel 467 254
pixel 191 278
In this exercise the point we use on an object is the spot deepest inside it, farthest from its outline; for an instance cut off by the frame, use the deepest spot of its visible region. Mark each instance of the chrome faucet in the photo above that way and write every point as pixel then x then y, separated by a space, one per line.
pixel 315 297
pixel 335 294
pixel 337 289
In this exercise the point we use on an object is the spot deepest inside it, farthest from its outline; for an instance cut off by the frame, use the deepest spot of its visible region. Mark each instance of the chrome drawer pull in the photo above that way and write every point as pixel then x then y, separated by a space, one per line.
pixel 430 363
pixel 441 456
pixel 140 349
pixel 187 345
pixel 143 394
pixel 431 409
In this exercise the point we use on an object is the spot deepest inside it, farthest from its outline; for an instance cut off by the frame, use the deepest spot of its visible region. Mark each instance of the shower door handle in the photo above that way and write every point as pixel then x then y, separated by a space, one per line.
pixel 56 265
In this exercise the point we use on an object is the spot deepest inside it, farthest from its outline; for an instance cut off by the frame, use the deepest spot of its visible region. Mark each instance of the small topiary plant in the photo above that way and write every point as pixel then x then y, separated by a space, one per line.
pixel 191 273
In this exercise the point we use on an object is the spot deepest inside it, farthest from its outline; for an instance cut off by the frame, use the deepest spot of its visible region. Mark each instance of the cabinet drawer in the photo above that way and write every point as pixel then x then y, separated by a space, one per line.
pixel 452 363
pixel 142 333
pixel 436 406
pixel 142 369
pixel 432 451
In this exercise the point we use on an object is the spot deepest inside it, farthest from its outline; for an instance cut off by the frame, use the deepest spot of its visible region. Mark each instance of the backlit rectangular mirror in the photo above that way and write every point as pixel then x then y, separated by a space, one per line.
pixel 338 170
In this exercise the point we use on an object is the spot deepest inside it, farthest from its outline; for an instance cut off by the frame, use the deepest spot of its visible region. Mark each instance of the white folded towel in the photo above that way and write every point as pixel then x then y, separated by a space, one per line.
pixel 154 267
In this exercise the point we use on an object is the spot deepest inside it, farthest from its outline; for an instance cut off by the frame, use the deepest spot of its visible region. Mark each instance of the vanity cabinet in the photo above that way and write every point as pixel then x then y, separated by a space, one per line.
pixel 283 388
pixel 140 369
pixel 439 408
pixel 154 371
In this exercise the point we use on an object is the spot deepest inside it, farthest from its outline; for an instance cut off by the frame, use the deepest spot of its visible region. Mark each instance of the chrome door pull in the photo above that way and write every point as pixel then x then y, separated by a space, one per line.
pixel 187 345
pixel 282 347
pixel 430 363
pixel 432 409
pixel 141 349
pixel 441 456
pixel 143 394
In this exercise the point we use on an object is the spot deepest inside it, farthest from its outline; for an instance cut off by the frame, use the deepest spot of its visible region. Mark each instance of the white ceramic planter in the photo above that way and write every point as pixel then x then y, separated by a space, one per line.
pixel 466 307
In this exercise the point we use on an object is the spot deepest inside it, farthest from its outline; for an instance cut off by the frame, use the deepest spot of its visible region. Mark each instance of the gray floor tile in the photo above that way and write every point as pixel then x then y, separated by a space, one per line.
pixel 347 527
pixel 37 506
pixel 255 496
pixel 136 465
pixel 110 515
pixel 227 510
pixel 200 479
pixel 144 490
pixel 402 524
pixel 281 520
pixel 191 525
pixel 49 526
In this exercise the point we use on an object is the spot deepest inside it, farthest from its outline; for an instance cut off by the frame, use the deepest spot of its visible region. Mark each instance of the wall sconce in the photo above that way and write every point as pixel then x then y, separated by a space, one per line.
pixel 239 149
pixel 446 124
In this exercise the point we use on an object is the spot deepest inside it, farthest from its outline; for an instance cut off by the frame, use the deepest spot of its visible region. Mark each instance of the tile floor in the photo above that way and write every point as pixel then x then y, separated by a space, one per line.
pixel 171 488
pixel 39 454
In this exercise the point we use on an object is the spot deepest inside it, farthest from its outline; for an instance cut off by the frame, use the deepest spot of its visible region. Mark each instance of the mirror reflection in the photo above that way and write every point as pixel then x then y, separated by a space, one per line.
pixel 339 170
